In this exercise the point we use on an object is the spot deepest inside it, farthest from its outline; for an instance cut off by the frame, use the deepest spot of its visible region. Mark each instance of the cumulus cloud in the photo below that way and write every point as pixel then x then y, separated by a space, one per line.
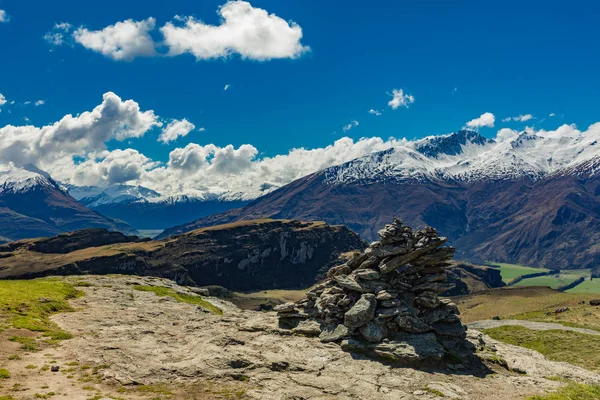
pixel 124 40
pixel 351 125
pixel 226 88
pixel 58 34
pixel 176 129
pixel 506 134
pixel 4 16
pixel 400 99
pixel 2 100
pixel 486 119
pixel 552 115
pixel 40 103
pixel 251 32
pixel 54 146
pixel 519 118
pixel 115 167
pixel 375 112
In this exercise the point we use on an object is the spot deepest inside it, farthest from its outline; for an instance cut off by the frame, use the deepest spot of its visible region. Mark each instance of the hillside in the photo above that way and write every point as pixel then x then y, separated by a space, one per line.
pixel 532 200
pixel 252 255
pixel 32 204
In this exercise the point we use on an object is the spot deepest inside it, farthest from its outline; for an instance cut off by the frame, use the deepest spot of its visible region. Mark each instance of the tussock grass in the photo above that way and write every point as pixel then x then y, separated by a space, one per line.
pixel 572 347
pixel 183 298
pixel 572 392
pixel 28 304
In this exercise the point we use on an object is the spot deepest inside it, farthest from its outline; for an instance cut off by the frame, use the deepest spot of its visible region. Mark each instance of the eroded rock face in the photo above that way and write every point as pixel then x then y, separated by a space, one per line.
pixel 384 302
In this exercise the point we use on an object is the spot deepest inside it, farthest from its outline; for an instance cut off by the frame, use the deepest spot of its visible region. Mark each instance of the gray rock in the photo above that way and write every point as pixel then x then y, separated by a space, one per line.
pixel 450 329
pixel 390 312
pixel 373 332
pixel 362 312
pixel 308 328
pixel 349 283
pixel 400 260
pixel 367 274
pixel 285 308
pixel 385 295
pixel 427 300
pixel 437 314
pixel 392 303
pixel 333 333
pixel 412 324
pixel 409 350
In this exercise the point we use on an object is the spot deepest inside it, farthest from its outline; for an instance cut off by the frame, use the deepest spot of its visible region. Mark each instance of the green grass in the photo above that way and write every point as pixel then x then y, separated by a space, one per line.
pixel 572 392
pixel 28 304
pixel 572 347
pixel 184 298
pixel 4 374
pixel 592 287
pixel 550 281
pixel 511 271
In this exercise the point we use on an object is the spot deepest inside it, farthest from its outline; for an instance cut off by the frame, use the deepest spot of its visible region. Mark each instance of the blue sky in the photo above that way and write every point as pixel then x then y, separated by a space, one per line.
pixel 458 59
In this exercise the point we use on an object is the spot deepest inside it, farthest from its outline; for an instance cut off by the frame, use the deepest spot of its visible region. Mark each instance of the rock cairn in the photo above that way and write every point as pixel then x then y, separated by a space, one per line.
pixel 387 293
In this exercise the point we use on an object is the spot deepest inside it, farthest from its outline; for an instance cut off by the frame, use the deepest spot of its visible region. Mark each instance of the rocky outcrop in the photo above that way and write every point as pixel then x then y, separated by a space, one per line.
pixel 468 278
pixel 384 301
pixel 72 241
pixel 246 256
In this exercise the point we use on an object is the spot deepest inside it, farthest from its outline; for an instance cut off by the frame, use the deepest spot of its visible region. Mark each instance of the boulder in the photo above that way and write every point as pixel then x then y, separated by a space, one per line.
pixel 362 312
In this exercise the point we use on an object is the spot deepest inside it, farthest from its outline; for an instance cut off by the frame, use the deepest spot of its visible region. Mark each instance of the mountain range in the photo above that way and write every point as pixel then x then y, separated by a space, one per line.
pixel 146 209
pixel 32 204
pixel 529 198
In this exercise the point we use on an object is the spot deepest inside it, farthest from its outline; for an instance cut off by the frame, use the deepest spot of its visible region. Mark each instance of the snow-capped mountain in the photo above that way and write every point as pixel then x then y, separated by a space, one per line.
pixel 529 198
pixel 467 156
pixel 147 209
pixel 32 204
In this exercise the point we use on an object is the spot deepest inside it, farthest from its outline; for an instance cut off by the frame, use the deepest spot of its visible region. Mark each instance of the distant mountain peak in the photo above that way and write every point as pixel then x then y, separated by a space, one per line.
pixel 451 144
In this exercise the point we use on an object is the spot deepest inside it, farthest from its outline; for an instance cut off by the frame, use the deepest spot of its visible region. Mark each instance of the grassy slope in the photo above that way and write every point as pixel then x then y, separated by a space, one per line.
pixel 29 304
pixel 511 271
pixel 572 347
pixel 532 303
pixel 587 287
pixel 572 392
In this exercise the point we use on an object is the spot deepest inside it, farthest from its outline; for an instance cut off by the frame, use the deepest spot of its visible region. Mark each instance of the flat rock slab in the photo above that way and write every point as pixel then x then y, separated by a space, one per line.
pixel 538 326
pixel 145 340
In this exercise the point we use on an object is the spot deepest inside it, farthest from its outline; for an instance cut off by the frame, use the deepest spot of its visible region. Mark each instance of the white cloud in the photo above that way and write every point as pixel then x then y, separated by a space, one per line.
pixel 40 103
pixel 226 88
pixel 117 166
pixel 57 36
pixel 506 134
pixel 351 125
pixel 176 129
pixel 519 118
pixel 400 99
pixel 486 119
pixel 4 16
pixel 124 40
pixel 375 112
pixel 251 32
pixel 2 100
pixel 552 115
pixel 54 146
pixel 27 103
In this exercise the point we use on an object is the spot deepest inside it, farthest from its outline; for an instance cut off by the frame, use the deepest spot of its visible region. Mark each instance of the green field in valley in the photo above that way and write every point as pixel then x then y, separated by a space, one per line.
pixel 587 287
pixel 511 271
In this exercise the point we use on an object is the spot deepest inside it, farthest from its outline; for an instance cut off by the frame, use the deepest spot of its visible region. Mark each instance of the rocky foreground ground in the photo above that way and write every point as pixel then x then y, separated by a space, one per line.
pixel 131 338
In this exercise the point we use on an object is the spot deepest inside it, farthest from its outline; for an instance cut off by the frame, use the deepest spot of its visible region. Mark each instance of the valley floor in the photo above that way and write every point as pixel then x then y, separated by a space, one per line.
pixel 147 338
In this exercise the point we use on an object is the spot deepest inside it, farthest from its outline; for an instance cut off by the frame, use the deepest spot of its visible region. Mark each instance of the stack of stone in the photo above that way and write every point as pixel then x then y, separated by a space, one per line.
pixel 388 292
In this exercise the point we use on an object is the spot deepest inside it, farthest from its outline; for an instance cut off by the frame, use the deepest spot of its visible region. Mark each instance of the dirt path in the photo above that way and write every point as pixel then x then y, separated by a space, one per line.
pixel 538 326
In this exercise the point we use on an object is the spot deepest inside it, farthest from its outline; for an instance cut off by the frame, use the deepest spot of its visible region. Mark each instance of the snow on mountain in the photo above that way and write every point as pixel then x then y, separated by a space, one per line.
pixel 468 156
pixel 20 180
pixel 94 196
